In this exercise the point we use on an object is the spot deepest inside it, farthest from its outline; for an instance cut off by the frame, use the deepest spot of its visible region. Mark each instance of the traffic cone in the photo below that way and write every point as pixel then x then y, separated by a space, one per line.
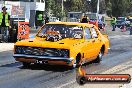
pixel 123 29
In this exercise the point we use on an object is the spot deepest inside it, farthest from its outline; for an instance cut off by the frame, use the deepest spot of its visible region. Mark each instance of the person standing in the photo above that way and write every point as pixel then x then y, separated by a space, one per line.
pixel 4 24
pixel 113 23
pixel 130 19
pixel 39 20
pixel 84 19
pixel 46 19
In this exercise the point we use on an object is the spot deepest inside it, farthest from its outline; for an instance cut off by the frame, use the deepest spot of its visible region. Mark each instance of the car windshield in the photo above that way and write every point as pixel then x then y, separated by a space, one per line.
pixel 64 31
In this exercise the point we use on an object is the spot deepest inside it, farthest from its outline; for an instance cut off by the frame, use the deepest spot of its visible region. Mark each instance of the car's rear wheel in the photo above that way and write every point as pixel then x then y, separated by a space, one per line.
pixel 99 57
pixel 25 64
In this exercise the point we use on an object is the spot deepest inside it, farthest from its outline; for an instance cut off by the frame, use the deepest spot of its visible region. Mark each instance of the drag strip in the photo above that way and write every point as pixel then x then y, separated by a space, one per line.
pixel 13 75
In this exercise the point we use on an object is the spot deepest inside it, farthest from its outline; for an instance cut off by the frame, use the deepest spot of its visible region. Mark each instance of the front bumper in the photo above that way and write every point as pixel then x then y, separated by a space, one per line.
pixel 48 58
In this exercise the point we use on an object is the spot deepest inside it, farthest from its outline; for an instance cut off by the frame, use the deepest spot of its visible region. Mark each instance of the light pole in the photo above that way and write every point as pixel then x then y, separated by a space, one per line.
pixel 97 9
pixel 62 8
pixel 88 1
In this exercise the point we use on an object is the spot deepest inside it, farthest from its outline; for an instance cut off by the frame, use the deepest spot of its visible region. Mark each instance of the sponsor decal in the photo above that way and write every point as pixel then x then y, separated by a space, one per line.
pixel 82 77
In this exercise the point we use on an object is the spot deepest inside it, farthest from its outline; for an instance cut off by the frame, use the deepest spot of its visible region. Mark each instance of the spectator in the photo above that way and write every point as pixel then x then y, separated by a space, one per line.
pixel 46 19
pixel 113 23
pixel 4 24
pixel 84 19
pixel 130 26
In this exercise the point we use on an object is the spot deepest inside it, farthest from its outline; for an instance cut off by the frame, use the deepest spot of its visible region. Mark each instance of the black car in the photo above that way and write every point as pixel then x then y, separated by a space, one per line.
pixel 121 21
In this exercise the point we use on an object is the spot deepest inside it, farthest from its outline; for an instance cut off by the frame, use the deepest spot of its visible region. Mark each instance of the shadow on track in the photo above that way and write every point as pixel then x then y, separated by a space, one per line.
pixel 54 68
pixel 46 67
pixel 15 64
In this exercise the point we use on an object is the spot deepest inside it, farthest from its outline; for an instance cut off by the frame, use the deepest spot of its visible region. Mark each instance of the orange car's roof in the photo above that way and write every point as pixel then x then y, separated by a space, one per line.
pixel 72 23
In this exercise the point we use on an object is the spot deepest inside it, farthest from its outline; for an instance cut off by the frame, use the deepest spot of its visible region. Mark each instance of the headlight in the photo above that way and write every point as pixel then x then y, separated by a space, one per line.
pixel 63 52
pixel 19 50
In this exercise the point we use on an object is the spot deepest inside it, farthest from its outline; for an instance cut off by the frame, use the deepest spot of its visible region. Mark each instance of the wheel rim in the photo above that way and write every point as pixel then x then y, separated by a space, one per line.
pixel 100 55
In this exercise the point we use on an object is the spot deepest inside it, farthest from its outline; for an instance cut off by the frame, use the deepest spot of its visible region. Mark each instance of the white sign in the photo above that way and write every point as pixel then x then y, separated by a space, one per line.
pixel 18 11
pixel 40 6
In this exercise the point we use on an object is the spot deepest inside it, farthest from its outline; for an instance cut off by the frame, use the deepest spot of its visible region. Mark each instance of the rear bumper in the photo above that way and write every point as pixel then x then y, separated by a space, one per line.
pixel 33 58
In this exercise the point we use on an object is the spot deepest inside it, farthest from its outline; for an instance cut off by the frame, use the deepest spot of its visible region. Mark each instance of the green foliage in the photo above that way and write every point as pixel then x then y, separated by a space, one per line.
pixel 118 7
pixel 94 6
pixel 111 7
pixel 77 5
pixel 108 7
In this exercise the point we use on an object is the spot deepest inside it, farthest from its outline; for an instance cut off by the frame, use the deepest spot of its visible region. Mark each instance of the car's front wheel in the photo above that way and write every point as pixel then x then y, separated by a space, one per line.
pixel 99 57
pixel 76 62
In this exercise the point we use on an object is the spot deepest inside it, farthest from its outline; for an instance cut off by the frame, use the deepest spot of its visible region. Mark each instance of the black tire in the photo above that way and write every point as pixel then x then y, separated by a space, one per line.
pixel 81 80
pixel 25 64
pixel 76 62
pixel 99 57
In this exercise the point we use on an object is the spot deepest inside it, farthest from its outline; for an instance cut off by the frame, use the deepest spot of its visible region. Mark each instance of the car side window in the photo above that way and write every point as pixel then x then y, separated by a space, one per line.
pixel 94 33
pixel 87 33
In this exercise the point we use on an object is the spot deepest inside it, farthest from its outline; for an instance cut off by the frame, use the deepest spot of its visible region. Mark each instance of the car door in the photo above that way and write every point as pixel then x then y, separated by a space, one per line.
pixel 88 45
pixel 96 41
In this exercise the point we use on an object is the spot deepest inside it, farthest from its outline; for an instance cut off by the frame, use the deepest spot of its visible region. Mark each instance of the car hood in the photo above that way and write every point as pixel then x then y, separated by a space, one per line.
pixel 64 43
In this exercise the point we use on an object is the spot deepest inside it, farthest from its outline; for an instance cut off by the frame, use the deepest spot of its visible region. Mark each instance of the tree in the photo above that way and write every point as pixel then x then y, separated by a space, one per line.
pixel 53 7
pixel 111 7
pixel 102 7
pixel 76 5
pixel 119 7
pixel 94 6
pixel 108 7
pixel 129 8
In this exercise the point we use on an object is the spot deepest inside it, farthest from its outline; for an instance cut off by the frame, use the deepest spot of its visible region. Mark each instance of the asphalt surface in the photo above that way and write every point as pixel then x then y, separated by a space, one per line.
pixel 13 75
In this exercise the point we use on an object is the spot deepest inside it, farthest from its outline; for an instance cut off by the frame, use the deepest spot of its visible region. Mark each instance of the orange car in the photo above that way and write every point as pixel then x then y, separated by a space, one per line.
pixel 63 43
